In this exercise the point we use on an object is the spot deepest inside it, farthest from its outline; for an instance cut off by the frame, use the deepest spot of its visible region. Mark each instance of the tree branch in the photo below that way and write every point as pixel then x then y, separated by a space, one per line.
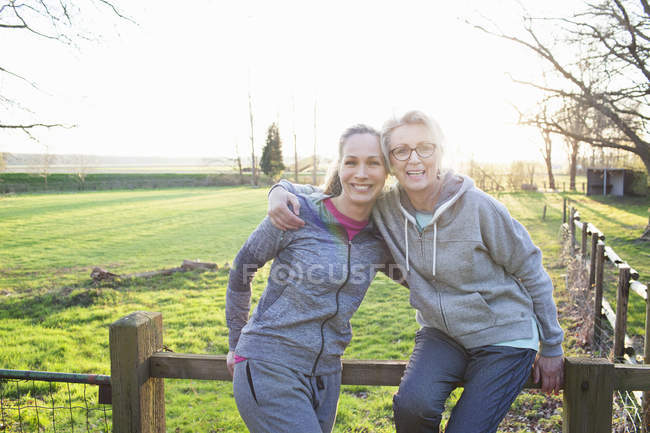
pixel 35 125
pixel 109 4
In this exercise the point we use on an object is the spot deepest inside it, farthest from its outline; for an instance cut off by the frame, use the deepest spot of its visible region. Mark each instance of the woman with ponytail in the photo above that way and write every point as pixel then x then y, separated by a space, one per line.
pixel 286 358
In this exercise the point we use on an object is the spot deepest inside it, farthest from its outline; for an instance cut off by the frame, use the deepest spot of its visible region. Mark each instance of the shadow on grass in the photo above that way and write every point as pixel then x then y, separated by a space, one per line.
pixel 39 307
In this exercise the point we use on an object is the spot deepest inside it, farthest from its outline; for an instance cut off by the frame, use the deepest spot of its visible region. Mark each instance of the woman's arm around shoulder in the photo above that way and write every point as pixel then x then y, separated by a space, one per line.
pixel 284 206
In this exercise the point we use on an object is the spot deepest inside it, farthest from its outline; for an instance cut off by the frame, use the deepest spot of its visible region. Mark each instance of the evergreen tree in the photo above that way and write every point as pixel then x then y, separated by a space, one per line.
pixel 271 162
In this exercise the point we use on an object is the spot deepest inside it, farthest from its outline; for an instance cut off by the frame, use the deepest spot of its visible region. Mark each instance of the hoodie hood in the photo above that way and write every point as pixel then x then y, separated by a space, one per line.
pixel 453 187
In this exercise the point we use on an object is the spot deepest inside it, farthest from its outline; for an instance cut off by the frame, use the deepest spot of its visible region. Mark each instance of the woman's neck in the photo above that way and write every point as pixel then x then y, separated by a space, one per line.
pixel 425 200
pixel 358 212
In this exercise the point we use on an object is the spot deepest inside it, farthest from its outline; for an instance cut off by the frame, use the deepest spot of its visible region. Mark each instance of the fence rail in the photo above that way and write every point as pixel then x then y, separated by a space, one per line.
pixel 103 381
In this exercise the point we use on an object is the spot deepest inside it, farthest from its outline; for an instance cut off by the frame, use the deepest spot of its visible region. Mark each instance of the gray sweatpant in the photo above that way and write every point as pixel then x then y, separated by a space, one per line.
pixel 275 399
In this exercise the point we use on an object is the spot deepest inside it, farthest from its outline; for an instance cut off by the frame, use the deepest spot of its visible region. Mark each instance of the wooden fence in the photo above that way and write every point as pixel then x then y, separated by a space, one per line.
pixel 139 367
pixel 592 246
pixel 594 254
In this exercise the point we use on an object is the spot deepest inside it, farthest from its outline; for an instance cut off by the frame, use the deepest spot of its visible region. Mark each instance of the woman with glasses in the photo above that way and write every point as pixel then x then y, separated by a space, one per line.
pixel 482 298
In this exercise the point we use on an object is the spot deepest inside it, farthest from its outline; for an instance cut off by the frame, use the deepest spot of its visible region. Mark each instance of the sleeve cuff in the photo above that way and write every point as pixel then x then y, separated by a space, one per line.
pixel 551 350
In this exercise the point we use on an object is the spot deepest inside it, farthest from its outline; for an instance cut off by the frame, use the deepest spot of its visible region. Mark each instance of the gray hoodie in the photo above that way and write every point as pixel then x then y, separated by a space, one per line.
pixel 473 271
pixel 316 282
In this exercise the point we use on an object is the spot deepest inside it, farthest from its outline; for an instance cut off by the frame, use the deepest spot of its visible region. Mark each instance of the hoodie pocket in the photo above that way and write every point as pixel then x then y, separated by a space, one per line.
pixel 466 313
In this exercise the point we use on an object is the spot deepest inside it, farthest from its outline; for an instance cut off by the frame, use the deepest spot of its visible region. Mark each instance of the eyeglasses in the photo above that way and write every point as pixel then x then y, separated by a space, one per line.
pixel 403 153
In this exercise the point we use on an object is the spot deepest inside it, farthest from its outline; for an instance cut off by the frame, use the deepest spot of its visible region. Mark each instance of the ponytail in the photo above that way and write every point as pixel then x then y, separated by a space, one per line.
pixel 333 185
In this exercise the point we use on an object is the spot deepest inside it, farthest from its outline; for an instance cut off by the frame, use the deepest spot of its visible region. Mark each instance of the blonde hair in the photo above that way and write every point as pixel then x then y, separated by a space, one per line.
pixel 414 117
pixel 333 185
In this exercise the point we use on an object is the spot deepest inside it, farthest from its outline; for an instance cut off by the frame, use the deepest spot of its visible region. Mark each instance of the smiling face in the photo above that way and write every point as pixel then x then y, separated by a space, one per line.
pixel 416 174
pixel 361 170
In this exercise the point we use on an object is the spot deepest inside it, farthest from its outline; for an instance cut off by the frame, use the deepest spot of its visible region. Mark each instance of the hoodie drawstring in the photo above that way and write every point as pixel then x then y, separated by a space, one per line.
pixel 435 242
pixel 406 236
pixel 435 245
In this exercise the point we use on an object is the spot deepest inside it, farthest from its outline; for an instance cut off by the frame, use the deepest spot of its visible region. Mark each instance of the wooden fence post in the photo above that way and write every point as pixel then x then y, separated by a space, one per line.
pixel 598 293
pixel 646 360
pixel 572 230
pixel 592 262
pixel 138 399
pixel 588 389
pixel 583 244
pixel 563 210
pixel 622 296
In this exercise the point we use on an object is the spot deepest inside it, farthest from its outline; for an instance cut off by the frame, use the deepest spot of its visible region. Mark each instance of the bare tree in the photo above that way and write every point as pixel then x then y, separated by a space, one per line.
pixel 530 171
pixel 253 161
pixel 546 153
pixel 45 163
pixel 608 72
pixel 517 175
pixel 238 159
pixel 540 121
pixel 81 168
pixel 573 118
pixel 58 20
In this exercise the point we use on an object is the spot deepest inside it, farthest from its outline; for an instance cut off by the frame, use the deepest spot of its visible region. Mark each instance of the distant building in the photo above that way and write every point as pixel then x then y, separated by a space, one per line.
pixel 616 181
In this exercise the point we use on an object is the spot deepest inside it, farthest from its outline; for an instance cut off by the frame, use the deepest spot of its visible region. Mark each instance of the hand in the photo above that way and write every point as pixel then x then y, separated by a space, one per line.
pixel 550 369
pixel 230 362
pixel 279 212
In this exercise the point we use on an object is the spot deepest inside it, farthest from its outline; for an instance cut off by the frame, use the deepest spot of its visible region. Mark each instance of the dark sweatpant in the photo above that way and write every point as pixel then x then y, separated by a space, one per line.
pixel 274 399
pixel 493 376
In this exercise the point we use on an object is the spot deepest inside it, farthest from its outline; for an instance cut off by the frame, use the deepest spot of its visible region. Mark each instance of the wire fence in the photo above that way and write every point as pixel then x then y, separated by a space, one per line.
pixel 627 415
pixel 38 405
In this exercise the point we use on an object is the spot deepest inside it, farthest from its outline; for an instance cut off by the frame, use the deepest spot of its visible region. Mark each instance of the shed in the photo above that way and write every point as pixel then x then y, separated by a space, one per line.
pixel 615 181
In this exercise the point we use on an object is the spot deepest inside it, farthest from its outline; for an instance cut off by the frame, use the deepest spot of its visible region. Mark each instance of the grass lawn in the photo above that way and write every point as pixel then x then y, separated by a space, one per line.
pixel 53 318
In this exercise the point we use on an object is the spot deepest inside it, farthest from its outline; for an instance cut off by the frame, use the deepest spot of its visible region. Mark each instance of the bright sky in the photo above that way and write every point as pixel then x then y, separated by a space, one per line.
pixel 177 83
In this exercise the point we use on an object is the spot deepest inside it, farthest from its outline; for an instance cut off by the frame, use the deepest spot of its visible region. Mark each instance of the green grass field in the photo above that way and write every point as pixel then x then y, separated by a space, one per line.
pixel 53 318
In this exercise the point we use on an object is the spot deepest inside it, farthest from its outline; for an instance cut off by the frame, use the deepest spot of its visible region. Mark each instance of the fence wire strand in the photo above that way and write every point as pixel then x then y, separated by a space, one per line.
pixel 22 404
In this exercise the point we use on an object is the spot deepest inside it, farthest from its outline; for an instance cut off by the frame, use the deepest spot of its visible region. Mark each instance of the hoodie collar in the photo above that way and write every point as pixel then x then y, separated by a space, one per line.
pixel 454 186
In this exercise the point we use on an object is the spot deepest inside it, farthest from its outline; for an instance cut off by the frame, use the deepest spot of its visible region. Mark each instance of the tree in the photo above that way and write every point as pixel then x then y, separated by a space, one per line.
pixel 517 175
pixel 238 159
pixel 57 20
pixel 607 72
pixel 271 162
pixel 573 118
pixel 540 120
pixel 45 163
pixel 253 160
pixel 81 165
pixel 546 153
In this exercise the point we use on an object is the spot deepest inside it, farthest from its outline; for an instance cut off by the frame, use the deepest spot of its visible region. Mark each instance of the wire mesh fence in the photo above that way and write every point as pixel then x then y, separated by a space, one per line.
pixel 627 415
pixel 31 405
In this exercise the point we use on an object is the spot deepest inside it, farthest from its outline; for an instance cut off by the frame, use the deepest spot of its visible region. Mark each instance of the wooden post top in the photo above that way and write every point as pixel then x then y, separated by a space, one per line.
pixel 135 319
pixel 587 361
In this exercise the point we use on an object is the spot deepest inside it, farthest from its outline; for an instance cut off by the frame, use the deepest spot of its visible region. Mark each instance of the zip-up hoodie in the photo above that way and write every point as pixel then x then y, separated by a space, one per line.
pixel 316 282
pixel 473 271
